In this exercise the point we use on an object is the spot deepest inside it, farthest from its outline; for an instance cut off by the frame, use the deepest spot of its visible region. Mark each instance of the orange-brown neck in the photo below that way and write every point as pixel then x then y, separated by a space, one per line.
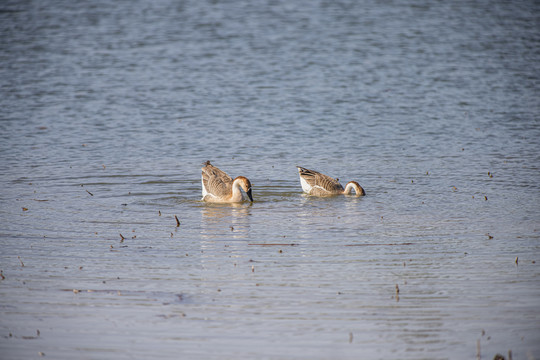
pixel 359 191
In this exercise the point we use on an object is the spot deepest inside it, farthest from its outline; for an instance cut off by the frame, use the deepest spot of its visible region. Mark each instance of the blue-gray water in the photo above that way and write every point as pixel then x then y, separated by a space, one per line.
pixel 109 108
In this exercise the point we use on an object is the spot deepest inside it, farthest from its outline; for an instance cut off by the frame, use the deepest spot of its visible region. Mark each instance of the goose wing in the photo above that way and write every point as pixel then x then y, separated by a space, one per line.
pixel 319 184
pixel 215 181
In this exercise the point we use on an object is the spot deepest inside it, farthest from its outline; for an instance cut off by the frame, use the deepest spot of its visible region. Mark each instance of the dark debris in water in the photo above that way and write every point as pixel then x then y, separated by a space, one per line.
pixel 275 244
pixel 169 316
pixel 166 298
pixel 391 244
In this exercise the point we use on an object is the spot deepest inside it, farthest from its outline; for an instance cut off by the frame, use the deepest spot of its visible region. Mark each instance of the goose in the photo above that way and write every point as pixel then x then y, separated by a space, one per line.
pixel 218 187
pixel 317 184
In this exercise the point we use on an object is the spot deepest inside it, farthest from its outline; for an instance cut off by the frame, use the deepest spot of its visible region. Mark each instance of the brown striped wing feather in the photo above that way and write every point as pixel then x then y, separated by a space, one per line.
pixel 216 181
pixel 322 185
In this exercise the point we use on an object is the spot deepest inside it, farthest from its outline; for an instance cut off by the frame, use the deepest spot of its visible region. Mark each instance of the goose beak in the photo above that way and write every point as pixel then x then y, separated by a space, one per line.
pixel 249 195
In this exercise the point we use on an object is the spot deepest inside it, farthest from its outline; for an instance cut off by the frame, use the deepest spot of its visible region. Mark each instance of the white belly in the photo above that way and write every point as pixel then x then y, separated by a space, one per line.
pixel 204 192
pixel 305 186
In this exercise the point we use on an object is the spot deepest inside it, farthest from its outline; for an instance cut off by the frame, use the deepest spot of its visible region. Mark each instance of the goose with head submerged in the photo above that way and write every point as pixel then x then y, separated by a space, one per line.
pixel 317 184
pixel 218 187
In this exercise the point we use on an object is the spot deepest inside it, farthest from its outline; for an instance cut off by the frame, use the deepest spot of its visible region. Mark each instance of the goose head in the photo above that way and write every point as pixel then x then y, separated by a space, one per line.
pixel 245 185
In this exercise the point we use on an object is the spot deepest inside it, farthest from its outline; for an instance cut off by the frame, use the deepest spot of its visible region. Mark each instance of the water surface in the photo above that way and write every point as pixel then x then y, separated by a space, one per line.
pixel 110 108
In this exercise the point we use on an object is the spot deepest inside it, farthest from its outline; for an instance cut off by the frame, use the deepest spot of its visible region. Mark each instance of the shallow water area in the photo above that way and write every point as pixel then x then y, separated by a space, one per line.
pixel 110 109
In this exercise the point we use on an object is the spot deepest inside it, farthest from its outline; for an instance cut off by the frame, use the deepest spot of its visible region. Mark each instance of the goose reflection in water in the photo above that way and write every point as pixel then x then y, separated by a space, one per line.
pixel 220 220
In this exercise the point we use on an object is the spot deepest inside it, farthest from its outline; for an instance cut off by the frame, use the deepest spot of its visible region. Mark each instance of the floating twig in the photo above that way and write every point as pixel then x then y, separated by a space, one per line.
pixel 89 193
pixel 402 244
pixel 177 221
pixel 22 264
pixel 274 244
pixel 159 212
pixel 122 238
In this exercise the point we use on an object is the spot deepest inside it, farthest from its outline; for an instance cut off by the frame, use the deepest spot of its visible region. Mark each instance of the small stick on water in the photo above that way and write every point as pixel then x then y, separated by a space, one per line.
pixel 122 236
pixel 159 212
pixel 177 221
pixel 517 260
pixel 273 244
pixel 22 264
pixel 89 193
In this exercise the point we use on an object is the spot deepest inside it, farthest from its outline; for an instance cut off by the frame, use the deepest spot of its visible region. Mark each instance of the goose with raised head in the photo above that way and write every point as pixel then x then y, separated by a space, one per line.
pixel 219 187
pixel 317 184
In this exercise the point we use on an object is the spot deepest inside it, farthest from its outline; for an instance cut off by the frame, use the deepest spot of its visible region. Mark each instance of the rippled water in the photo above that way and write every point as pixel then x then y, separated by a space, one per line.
pixel 110 108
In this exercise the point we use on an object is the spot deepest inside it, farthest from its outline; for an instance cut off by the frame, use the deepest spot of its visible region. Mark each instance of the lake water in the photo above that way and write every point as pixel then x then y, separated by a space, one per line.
pixel 110 108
